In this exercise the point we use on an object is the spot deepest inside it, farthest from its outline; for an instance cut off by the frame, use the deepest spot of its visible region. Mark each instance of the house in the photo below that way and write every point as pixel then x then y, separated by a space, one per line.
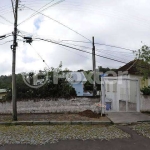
pixel 77 80
pixel 3 93
pixel 122 93
pixel 133 72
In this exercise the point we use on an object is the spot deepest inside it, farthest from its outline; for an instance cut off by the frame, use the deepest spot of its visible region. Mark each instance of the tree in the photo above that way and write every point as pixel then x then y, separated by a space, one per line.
pixel 143 61
pixel 49 90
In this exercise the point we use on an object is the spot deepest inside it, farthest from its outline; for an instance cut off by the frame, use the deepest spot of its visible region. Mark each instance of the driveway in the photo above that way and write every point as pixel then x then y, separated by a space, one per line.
pixel 128 117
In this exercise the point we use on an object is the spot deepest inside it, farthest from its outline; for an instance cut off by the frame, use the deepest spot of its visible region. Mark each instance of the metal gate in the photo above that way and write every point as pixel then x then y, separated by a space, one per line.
pixel 120 94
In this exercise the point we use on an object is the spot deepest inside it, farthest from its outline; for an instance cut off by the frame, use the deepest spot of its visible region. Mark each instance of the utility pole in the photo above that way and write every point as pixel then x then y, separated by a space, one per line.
pixel 94 68
pixel 13 47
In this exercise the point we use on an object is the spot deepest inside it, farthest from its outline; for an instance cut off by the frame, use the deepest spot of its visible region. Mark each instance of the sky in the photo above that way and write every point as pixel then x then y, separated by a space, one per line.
pixel 120 23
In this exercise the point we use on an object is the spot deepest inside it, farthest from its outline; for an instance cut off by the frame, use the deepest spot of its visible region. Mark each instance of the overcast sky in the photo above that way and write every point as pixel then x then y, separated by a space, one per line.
pixel 122 23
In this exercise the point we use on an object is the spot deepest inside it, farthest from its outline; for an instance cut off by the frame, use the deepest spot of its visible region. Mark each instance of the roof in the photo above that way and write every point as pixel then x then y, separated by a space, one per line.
pixel 131 67
pixel 3 90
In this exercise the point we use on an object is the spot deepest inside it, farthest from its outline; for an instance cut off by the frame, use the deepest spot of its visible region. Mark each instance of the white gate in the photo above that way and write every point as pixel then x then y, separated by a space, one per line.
pixel 120 94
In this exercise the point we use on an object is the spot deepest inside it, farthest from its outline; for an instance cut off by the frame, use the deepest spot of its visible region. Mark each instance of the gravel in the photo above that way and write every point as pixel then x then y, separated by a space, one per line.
pixel 40 135
pixel 142 129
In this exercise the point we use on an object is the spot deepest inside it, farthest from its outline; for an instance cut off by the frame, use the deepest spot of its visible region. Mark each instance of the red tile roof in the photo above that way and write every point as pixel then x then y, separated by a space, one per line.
pixel 131 67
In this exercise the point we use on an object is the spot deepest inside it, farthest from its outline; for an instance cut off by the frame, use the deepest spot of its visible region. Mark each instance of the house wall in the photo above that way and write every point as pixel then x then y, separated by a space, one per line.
pixel 78 88
pixel 143 83
pixel 2 94
pixel 121 91
pixel 110 92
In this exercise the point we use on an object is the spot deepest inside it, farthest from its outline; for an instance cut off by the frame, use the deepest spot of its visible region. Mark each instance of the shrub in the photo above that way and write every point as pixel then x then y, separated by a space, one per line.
pixel 146 90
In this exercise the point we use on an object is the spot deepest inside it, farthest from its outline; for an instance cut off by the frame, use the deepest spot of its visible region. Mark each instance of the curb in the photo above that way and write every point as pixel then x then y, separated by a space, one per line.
pixel 131 123
pixel 57 123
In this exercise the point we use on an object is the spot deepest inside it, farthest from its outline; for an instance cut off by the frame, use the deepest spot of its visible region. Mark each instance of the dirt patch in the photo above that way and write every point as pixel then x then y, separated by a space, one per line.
pixel 89 114
pixel 52 117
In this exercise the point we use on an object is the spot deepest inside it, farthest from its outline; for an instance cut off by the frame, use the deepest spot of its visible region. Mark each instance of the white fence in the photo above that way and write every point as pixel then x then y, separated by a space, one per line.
pixel 120 94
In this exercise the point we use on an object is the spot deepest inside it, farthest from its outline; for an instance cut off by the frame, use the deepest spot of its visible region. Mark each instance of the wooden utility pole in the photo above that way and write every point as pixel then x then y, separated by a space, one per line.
pixel 94 68
pixel 14 102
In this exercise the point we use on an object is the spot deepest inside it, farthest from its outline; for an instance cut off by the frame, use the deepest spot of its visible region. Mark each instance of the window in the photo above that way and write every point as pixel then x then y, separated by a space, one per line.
pixel 108 87
pixel 115 87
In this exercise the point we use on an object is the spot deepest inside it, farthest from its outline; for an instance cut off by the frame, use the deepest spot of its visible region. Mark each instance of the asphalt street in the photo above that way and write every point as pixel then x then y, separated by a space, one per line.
pixel 136 142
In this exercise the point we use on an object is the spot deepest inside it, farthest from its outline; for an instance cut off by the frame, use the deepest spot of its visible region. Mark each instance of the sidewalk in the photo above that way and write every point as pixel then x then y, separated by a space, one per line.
pixel 128 117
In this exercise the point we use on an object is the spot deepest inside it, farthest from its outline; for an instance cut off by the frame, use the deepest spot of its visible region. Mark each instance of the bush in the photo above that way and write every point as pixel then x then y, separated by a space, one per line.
pixel 146 90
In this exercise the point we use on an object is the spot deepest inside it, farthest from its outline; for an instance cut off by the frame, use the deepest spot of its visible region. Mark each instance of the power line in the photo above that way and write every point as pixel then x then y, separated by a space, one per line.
pixel 5 42
pixel 99 50
pixel 105 51
pixel 80 50
pixel 106 12
pixel 116 47
pixel 40 56
pixel 36 13
pixel 9 41
pixel 89 48
pixel 79 54
pixel 59 23
pixel 5 19
pixel 4 37
pixel 101 44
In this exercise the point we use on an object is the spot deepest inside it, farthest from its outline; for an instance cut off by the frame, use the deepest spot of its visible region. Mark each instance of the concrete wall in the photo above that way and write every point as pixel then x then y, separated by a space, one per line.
pixel 145 103
pixel 51 106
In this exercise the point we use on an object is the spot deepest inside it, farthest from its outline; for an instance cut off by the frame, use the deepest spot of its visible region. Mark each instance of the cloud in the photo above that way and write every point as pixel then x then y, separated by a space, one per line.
pixel 38 22
pixel 119 23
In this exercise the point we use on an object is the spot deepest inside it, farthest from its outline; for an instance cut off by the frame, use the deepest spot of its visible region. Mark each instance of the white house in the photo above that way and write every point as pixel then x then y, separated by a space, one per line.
pixel 122 93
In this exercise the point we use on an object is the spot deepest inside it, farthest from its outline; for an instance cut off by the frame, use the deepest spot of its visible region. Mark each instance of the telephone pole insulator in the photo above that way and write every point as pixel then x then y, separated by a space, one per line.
pixel 28 40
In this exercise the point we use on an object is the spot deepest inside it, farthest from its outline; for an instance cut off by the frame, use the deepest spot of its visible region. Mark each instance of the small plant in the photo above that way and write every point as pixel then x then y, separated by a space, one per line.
pixel 146 90
pixel 98 107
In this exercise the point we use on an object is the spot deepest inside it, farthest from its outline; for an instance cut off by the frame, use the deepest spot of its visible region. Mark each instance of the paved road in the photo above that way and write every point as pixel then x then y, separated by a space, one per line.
pixel 135 142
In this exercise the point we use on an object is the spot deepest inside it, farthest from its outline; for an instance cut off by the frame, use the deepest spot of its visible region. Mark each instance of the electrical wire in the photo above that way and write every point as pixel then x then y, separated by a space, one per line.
pixel 36 12
pixel 5 42
pixel 80 55
pixel 101 44
pixel 5 19
pixel 60 23
pixel 105 51
pixel 79 50
pixel 97 50
pixel 5 36
pixel 10 41
pixel 40 56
